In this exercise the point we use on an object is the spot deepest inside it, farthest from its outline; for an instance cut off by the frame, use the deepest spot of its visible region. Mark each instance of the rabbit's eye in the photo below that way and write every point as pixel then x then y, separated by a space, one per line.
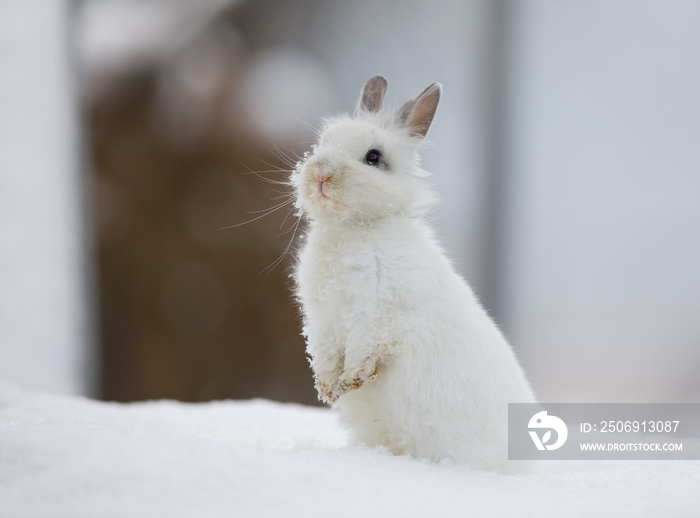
pixel 372 157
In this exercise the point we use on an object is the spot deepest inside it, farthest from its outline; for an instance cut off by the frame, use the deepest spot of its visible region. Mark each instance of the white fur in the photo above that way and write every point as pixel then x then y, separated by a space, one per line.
pixel 398 342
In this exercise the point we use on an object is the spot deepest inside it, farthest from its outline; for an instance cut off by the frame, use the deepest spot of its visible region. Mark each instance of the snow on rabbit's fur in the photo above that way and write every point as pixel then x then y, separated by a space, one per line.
pixel 398 341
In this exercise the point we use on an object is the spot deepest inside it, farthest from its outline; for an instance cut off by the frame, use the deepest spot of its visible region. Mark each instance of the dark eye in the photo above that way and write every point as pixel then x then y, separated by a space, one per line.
pixel 372 157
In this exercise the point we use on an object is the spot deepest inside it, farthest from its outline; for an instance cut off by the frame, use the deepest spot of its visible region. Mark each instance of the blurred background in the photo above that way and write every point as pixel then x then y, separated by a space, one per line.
pixel 565 151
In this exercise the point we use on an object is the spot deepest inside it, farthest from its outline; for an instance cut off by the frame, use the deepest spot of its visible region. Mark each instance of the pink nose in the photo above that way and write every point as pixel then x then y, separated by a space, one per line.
pixel 321 169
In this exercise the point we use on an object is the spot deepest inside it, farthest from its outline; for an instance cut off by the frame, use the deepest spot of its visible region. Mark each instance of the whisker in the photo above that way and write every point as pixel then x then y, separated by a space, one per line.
pixel 283 195
pixel 269 171
pixel 284 253
pixel 311 127
pixel 269 211
pixel 274 207
pixel 277 169
pixel 286 218
pixel 289 157
pixel 286 152
pixel 259 174
pixel 285 232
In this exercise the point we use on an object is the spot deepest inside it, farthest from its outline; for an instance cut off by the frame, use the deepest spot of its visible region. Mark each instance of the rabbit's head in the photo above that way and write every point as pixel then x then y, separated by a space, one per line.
pixel 366 167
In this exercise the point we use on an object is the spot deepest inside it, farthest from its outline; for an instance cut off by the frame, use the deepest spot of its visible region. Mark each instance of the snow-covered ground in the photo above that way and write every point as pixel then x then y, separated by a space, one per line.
pixel 73 457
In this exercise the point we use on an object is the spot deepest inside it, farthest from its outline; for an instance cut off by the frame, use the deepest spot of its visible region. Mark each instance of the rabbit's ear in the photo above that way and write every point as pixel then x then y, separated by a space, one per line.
pixel 372 95
pixel 417 114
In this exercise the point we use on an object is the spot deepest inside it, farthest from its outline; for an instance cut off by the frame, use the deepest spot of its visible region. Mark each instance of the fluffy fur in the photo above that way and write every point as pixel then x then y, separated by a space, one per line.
pixel 397 340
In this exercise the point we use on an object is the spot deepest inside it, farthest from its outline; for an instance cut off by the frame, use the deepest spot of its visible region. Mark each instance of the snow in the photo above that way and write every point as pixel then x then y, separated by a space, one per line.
pixel 71 456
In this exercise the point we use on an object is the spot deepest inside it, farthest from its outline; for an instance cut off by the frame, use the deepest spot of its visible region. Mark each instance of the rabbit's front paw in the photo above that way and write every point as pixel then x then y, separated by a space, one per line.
pixel 325 389
pixel 354 378
pixel 327 367
pixel 330 391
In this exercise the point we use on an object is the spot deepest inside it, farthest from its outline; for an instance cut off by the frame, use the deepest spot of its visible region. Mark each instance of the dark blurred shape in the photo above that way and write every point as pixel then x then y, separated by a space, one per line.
pixel 186 311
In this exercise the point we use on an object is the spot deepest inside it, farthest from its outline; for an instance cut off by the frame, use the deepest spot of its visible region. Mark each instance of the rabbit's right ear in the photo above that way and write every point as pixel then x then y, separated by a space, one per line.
pixel 372 95
pixel 417 114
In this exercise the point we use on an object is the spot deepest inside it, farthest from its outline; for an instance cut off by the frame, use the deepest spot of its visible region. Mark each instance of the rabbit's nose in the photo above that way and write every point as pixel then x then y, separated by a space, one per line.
pixel 323 176
pixel 322 170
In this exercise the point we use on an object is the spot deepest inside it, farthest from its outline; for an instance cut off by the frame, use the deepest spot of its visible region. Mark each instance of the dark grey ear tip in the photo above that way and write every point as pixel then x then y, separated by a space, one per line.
pixel 435 88
pixel 372 95
pixel 378 79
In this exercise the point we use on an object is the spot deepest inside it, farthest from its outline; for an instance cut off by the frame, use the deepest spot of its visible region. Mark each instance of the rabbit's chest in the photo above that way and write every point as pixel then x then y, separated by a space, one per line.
pixel 345 292
pixel 343 277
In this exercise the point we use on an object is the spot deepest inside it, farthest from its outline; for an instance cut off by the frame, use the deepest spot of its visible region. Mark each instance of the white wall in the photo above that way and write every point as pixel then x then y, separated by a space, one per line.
pixel 44 332
pixel 604 205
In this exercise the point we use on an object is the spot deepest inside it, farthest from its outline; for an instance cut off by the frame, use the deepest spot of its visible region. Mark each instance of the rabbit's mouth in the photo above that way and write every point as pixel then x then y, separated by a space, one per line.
pixel 324 189
pixel 325 195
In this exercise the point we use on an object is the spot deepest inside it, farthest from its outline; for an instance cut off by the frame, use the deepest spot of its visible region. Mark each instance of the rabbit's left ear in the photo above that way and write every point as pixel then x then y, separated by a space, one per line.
pixel 372 95
pixel 417 114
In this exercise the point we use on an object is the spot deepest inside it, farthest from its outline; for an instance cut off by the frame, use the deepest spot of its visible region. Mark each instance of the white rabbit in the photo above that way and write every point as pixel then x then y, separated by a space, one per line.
pixel 397 340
